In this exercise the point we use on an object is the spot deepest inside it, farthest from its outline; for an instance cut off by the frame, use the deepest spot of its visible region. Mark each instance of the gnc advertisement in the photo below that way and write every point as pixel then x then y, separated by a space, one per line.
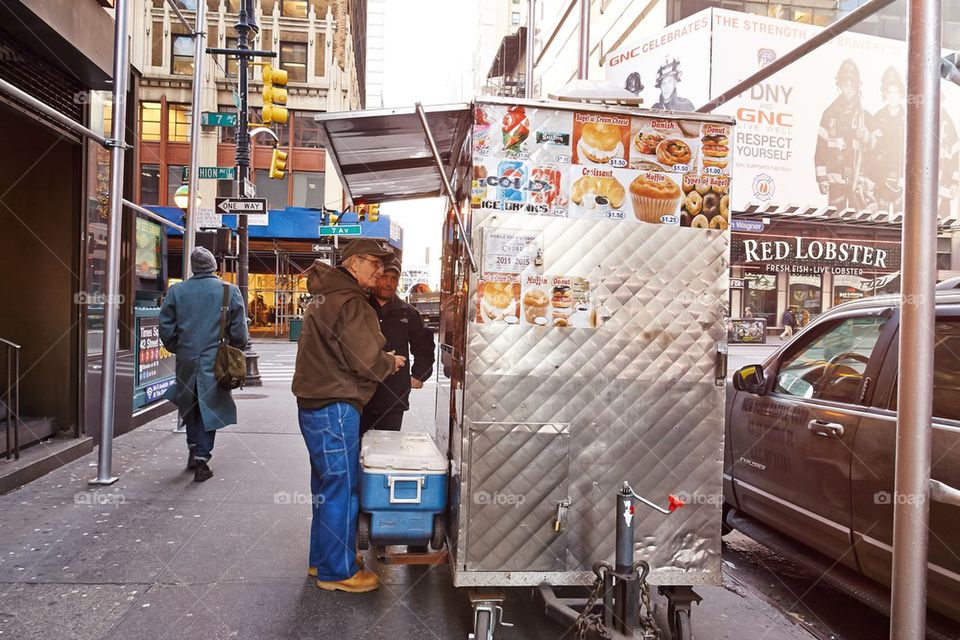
pixel 827 130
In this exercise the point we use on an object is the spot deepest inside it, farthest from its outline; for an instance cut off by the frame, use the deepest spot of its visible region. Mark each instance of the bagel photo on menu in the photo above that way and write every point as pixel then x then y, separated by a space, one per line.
pixel 706 202
pixel 600 139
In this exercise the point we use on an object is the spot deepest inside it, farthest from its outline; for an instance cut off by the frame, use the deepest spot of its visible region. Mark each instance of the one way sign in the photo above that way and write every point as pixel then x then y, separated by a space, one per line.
pixel 241 206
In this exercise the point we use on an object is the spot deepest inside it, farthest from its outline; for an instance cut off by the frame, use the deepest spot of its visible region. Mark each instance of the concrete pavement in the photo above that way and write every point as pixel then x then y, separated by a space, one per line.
pixel 159 556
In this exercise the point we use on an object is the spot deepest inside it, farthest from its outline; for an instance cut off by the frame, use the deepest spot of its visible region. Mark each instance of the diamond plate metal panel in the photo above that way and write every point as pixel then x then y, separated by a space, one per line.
pixel 639 394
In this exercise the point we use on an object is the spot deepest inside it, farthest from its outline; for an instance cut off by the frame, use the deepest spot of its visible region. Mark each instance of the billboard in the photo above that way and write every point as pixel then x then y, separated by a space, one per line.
pixel 828 130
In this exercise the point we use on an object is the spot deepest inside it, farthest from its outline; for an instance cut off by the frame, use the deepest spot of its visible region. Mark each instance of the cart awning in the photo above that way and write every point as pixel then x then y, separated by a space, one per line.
pixel 384 155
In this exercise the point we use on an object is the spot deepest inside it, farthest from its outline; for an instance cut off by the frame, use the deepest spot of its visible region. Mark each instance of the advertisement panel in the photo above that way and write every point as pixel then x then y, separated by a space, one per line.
pixel 826 130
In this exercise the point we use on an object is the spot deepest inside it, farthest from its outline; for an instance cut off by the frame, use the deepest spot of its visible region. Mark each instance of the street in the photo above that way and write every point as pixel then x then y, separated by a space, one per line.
pixel 158 556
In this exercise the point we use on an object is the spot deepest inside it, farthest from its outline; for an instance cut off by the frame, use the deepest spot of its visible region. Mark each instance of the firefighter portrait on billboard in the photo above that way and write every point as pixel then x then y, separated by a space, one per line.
pixel 668 77
pixel 884 163
pixel 842 139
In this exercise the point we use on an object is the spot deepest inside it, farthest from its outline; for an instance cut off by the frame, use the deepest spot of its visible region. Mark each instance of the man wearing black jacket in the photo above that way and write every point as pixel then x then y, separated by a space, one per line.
pixel 406 335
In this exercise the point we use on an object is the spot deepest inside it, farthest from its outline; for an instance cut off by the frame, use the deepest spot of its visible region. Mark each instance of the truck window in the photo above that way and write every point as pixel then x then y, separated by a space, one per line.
pixel 831 365
pixel 946 372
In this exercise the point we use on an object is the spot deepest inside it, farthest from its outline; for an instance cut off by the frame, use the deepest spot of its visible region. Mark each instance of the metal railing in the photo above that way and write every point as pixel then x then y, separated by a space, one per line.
pixel 11 399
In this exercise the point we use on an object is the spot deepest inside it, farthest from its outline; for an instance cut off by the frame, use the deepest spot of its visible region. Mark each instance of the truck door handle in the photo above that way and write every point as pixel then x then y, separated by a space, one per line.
pixel 826 429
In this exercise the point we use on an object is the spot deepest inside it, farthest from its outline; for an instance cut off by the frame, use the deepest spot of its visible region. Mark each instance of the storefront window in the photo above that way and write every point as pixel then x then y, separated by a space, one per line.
pixel 307 130
pixel 275 191
pixel 307 189
pixel 150 184
pixel 174 180
pixel 805 293
pixel 181 63
pixel 847 288
pixel 760 295
pixel 150 121
pixel 293 58
pixel 178 123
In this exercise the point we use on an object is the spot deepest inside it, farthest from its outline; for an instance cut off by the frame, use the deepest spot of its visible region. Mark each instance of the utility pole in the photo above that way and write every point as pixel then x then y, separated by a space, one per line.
pixel 245 25
pixel 193 190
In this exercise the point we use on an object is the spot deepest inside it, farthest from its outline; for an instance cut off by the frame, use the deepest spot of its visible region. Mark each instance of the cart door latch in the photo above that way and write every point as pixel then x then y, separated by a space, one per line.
pixel 563 506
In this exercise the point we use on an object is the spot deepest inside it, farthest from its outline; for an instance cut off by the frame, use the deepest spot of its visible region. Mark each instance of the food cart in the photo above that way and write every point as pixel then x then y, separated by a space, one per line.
pixel 582 336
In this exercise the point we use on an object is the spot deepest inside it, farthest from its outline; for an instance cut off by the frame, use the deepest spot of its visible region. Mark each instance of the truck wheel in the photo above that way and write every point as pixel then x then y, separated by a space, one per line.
pixel 363 532
pixel 439 532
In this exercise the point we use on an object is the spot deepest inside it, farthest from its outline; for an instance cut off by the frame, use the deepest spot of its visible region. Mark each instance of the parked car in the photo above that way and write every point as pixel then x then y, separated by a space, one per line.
pixel 811 435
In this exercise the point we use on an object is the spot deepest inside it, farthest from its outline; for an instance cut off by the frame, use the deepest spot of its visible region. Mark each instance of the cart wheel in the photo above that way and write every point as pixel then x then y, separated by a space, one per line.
pixel 482 625
pixel 681 625
pixel 363 532
pixel 439 531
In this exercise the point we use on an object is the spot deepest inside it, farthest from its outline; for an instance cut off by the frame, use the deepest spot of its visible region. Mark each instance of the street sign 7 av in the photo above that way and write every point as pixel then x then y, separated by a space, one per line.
pixel 339 230
pixel 218 119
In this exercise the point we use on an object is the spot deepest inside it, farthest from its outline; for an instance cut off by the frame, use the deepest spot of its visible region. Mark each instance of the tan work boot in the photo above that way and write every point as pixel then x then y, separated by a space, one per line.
pixel 361 582
pixel 312 571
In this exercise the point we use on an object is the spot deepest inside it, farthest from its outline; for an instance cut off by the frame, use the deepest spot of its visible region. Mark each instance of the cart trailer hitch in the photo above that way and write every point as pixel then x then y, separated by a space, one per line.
pixel 619 606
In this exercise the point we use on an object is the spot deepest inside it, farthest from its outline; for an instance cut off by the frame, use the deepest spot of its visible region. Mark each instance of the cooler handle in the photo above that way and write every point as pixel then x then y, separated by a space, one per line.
pixel 392 483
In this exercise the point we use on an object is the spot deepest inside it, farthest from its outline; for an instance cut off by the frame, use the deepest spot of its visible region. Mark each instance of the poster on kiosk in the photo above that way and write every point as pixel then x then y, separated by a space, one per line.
pixel 828 130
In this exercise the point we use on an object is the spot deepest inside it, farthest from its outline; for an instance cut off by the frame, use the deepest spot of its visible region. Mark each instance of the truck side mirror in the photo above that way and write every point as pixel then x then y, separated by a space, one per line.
pixel 750 379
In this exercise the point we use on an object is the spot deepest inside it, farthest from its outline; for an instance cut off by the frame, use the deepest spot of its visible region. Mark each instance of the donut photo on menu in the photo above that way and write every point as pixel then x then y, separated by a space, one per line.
pixel 600 139
pixel 715 148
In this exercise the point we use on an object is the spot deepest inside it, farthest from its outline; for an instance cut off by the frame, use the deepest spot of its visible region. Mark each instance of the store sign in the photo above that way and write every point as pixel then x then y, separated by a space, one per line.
pixel 747 226
pixel 800 138
pixel 815 255
pixel 736 283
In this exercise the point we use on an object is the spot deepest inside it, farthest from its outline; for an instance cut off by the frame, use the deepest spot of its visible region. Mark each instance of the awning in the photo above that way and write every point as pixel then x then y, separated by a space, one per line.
pixel 509 55
pixel 384 155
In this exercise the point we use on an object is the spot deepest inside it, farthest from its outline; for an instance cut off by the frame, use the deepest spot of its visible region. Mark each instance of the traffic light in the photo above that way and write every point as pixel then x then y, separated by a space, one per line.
pixel 274 93
pixel 278 163
pixel 368 212
pixel 334 217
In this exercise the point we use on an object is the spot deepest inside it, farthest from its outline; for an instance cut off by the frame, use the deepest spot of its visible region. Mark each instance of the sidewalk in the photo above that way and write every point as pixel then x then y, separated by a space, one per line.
pixel 159 556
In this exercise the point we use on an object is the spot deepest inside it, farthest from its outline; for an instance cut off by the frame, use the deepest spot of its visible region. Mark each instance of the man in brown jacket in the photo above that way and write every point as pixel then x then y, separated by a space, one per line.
pixel 340 360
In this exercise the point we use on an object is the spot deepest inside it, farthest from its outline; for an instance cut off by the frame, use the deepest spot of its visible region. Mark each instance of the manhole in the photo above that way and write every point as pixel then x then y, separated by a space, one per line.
pixel 249 396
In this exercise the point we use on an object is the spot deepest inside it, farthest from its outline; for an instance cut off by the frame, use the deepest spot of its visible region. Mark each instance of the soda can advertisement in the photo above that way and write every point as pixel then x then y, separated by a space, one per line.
pixel 546 186
pixel 511 181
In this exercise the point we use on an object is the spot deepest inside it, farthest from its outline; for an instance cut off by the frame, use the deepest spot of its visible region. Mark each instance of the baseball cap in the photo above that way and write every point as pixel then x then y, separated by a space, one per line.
pixel 368 246
pixel 393 264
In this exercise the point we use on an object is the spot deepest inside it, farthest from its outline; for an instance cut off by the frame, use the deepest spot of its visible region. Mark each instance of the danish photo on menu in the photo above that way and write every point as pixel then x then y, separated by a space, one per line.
pixel 600 139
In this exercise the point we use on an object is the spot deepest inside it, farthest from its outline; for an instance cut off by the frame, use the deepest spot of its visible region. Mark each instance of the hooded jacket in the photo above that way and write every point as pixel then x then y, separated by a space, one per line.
pixel 340 356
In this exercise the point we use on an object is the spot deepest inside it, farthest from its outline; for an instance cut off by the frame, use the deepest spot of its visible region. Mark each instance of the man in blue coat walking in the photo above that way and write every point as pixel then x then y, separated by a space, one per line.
pixel 190 325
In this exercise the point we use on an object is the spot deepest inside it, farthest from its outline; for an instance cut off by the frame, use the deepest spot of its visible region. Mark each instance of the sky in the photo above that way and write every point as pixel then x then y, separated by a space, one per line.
pixel 433 66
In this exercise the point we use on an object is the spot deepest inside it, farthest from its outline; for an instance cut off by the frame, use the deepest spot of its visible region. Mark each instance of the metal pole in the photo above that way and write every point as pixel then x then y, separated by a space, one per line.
pixel 245 24
pixel 152 215
pixel 908 603
pixel 451 196
pixel 829 33
pixel 531 23
pixel 583 54
pixel 193 184
pixel 33 103
pixel 108 372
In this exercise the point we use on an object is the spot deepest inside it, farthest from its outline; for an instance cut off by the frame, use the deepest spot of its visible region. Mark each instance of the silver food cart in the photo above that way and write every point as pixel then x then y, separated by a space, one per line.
pixel 582 332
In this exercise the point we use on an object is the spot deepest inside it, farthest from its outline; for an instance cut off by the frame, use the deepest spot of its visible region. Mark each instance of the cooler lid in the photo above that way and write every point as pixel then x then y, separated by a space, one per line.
pixel 403 451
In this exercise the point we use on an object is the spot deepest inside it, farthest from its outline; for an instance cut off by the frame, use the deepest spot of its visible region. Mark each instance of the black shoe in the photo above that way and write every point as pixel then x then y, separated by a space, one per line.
pixel 202 472
pixel 191 461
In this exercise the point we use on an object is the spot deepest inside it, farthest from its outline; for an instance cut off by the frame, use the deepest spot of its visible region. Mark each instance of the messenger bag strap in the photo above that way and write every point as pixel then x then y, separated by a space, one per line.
pixel 223 310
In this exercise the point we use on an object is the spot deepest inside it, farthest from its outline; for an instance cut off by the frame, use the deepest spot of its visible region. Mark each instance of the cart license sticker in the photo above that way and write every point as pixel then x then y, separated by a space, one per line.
pixel 558 301
pixel 498 300
pixel 601 139
pixel 512 251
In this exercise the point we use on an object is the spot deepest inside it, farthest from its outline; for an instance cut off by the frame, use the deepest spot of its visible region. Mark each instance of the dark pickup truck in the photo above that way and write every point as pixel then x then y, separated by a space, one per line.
pixel 811 435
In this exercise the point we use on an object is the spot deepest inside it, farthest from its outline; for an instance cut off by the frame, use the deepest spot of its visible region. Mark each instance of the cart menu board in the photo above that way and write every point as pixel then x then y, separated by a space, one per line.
pixel 601 166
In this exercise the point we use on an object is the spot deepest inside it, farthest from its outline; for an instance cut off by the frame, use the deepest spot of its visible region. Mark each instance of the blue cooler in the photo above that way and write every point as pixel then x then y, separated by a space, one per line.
pixel 403 490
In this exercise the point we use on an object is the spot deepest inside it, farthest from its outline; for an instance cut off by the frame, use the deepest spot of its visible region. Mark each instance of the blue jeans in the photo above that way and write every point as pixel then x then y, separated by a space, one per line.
pixel 332 438
pixel 199 440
